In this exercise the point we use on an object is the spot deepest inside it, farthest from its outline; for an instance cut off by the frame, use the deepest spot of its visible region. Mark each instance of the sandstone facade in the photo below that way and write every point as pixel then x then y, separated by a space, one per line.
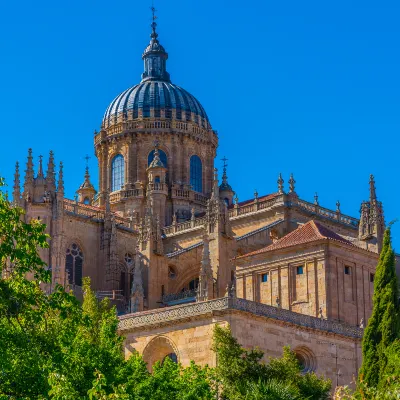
pixel 163 235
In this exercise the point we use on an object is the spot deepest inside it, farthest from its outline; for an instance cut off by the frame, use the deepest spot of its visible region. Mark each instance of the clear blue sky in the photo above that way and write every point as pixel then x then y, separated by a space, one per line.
pixel 309 87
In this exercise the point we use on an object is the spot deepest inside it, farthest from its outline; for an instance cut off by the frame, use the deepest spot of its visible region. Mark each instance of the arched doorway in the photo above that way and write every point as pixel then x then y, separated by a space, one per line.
pixel 158 349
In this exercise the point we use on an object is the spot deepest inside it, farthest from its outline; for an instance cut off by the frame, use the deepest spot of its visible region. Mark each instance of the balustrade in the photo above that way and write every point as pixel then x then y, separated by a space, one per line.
pixel 326 213
pixel 187 294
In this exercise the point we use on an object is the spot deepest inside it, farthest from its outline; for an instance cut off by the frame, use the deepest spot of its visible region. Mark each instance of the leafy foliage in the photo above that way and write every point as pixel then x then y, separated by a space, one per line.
pixel 383 326
pixel 243 375
pixel 53 347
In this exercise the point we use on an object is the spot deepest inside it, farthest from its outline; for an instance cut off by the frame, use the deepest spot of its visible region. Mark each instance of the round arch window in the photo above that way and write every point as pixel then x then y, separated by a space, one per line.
pixel 306 359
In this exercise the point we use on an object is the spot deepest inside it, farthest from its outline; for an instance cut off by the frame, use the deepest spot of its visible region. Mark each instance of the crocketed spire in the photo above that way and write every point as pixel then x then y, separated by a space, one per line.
pixel 17 189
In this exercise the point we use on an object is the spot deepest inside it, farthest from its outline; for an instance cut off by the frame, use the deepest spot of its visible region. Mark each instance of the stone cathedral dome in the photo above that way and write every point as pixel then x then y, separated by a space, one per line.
pixel 155 96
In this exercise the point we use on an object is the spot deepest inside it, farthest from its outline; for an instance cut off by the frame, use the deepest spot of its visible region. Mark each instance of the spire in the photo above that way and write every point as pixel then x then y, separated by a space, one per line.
pixel 225 186
pixel 215 191
pixel 372 221
pixel 156 163
pixel 206 283
pixel 154 56
pixel 86 183
pixel 292 182
pixel 137 284
pixel 29 173
pixel 50 176
pixel 17 190
pixel 137 291
pixel 60 186
pixel 372 190
pixel 280 183
pixel 86 191
pixel 40 171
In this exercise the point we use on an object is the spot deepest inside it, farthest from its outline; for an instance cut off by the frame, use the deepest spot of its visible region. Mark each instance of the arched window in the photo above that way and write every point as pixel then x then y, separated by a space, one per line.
pixel 196 173
pixel 74 265
pixel 117 173
pixel 163 158
pixel 86 200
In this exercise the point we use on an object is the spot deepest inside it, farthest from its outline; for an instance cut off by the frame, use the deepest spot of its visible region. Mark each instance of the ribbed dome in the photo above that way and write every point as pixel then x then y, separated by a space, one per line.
pixel 156 99
pixel 155 96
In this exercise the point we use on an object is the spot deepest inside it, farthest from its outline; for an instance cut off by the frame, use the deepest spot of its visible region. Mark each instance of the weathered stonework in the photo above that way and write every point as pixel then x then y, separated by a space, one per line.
pixel 280 270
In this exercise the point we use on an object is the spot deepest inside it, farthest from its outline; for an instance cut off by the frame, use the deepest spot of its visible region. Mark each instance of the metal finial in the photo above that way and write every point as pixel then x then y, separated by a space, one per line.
pixel 255 194
pixel 224 161
pixel 338 206
pixel 153 24
pixel 87 158
pixel 316 199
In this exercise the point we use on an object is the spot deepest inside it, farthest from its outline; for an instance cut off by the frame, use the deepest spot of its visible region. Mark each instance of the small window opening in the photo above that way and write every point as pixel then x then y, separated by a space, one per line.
pixel 264 278
pixel 371 277
pixel 347 270
pixel 171 273
pixel 299 270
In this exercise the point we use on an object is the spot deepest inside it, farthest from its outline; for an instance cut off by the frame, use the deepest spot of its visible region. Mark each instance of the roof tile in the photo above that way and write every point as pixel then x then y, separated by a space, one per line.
pixel 309 232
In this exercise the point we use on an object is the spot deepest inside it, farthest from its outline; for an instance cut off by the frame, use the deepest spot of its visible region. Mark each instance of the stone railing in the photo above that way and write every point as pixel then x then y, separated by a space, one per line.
pixel 325 212
pixel 84 210
pixel 143 124
pixel 166 315
pixel 255 232
pixel 185 250
pixel 199 198
pixel 187 294
pixel 189 195
pixel 95 213
pixel 125 194
pixel 158 187
pixel 254 206
pixel 184 226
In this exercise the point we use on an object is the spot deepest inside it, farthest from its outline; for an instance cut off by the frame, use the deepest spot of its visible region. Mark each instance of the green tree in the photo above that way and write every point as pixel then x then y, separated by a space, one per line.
pixel 52 347
pixel 242 374
pixel 383 325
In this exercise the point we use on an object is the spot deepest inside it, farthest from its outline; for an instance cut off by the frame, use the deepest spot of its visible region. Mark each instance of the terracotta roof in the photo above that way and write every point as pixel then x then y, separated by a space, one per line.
pixel 262 198
pixel 309 232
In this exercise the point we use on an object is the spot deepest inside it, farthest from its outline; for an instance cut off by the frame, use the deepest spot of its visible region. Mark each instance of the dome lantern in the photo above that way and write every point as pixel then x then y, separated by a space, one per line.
pixel 155 57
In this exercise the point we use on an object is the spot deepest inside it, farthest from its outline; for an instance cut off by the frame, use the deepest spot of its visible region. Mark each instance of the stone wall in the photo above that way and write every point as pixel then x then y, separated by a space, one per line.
pixel 336 356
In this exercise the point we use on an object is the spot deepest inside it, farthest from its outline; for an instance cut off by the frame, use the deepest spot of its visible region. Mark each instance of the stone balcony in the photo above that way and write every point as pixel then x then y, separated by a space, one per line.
pixel 164 316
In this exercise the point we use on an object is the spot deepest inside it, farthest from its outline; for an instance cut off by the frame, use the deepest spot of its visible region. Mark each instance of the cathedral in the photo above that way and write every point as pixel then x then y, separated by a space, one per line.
pixel 165 237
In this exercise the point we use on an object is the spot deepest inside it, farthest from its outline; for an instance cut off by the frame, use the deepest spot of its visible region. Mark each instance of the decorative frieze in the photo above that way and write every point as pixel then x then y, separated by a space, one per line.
pixel 166 315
